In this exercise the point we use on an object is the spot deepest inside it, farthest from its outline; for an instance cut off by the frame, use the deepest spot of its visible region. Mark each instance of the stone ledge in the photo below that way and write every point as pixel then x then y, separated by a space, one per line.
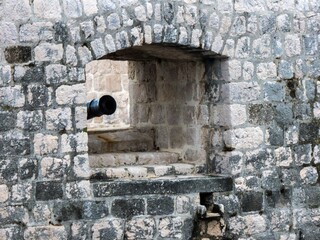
pixel 166 185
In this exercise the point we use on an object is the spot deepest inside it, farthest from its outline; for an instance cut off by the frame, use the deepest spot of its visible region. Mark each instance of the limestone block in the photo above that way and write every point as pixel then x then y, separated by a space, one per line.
pixel 170 227
pixel 37 31
pixel 81 189
pixel 54 168
pixel 41 213
pixel 30 120
pixel 140 13
pixel 250 224
pixel 230 163
pixel 71 57
pixel 81 118
pixel 267 70
pixel 240 92
pixel 250 6
pixel 21 192
pixel 140 228
pixel 71 95
pixel 72 8
pixel 228 115
pixel 56 73
pixel 243 47
pixel 90 7
pixel 284 23
pixel 19 10
pixel 250 137
pixel 81 166
pixel 274 91
pixel 292 45
pixel 12 96
pixel 4 193
pixel 47 10
pixel 283 156
pixel 100 22
pixel 50 232
pixel 117 172
pixel 261 47
pixel 309 175
pixel 302 154
pixel 85 55
pixel 59 119
pixel 48 52
pixel 110 227
pixel 137 35
pixel 137 172
pixel 98 48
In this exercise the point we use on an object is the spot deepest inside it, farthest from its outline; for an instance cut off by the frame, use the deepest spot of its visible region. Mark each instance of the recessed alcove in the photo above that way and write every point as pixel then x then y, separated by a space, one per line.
pixel 162 106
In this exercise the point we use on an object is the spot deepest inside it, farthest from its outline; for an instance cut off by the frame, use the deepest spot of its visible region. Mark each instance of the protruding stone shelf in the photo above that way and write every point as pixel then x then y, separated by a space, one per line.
pixel 165 185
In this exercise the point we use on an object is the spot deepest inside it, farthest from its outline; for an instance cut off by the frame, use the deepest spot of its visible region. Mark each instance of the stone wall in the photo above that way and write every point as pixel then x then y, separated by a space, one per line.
pixel 106 77
pixel 262 86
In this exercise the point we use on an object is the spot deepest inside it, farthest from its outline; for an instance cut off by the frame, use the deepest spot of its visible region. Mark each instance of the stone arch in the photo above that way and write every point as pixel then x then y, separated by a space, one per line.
pixel 152 42
pixel 134 25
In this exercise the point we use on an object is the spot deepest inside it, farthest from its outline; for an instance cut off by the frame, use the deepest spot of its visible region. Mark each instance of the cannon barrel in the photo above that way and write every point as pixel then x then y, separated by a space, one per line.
pixel 106 105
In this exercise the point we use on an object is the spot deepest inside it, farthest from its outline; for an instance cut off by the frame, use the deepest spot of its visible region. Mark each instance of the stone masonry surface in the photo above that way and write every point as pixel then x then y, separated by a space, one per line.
pixel 255 108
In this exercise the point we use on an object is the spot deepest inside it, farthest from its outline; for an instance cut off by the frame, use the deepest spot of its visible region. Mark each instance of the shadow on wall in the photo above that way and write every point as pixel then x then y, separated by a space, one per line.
pixel 170 100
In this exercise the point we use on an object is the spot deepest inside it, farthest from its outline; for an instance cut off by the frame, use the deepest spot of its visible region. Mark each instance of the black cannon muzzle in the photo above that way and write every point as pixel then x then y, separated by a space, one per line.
pixel 106 105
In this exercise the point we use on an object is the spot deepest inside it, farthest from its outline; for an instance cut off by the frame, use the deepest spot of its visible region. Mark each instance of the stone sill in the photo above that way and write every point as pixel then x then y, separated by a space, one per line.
pixel 164 185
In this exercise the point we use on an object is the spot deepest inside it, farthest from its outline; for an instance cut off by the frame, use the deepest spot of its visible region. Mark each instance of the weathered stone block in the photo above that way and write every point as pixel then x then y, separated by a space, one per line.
pixel 18 54
pixel 50 232
pixel 13 214
pixel 270 180
pixel 21 192
pixel 48 190
pixel 243 92
pixel 54 168
pixel 45 144
pixel 250 224
pixel 38 96
pixel 309 175
pixel 7 120
pixel 12 96
pixel 108 229
pixel 48 52
pixel 308 132
pixel 243 138
pixel 160 205
pixel 45 10
pixel 56 73
pixel 302 154
pixel 251 201
pixel 170 227
pixel 36 31
pixel 140 228
pixel 8 34
pixel 70 95
pixel 81 189
pixel 21 144
pixel 30 120
pixel 228 115
pixel 8 169
pixel 59 119
pixel 4 193
pixel 127 208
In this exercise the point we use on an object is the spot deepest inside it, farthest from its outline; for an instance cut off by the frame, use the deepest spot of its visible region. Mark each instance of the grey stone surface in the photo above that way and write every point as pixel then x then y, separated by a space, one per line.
pixel 251 112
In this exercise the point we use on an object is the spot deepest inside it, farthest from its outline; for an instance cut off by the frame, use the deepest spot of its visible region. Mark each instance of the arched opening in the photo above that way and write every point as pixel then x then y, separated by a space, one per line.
pixel 163 113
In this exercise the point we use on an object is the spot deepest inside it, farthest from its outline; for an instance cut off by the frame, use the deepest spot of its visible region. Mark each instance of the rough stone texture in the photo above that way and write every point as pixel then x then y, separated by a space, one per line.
pixel 252 114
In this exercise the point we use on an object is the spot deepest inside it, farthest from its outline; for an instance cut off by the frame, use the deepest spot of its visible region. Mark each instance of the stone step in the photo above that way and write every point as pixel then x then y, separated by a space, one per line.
pixel 147 171
pixel 132 158
pixel 165 185
pixel 124 140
